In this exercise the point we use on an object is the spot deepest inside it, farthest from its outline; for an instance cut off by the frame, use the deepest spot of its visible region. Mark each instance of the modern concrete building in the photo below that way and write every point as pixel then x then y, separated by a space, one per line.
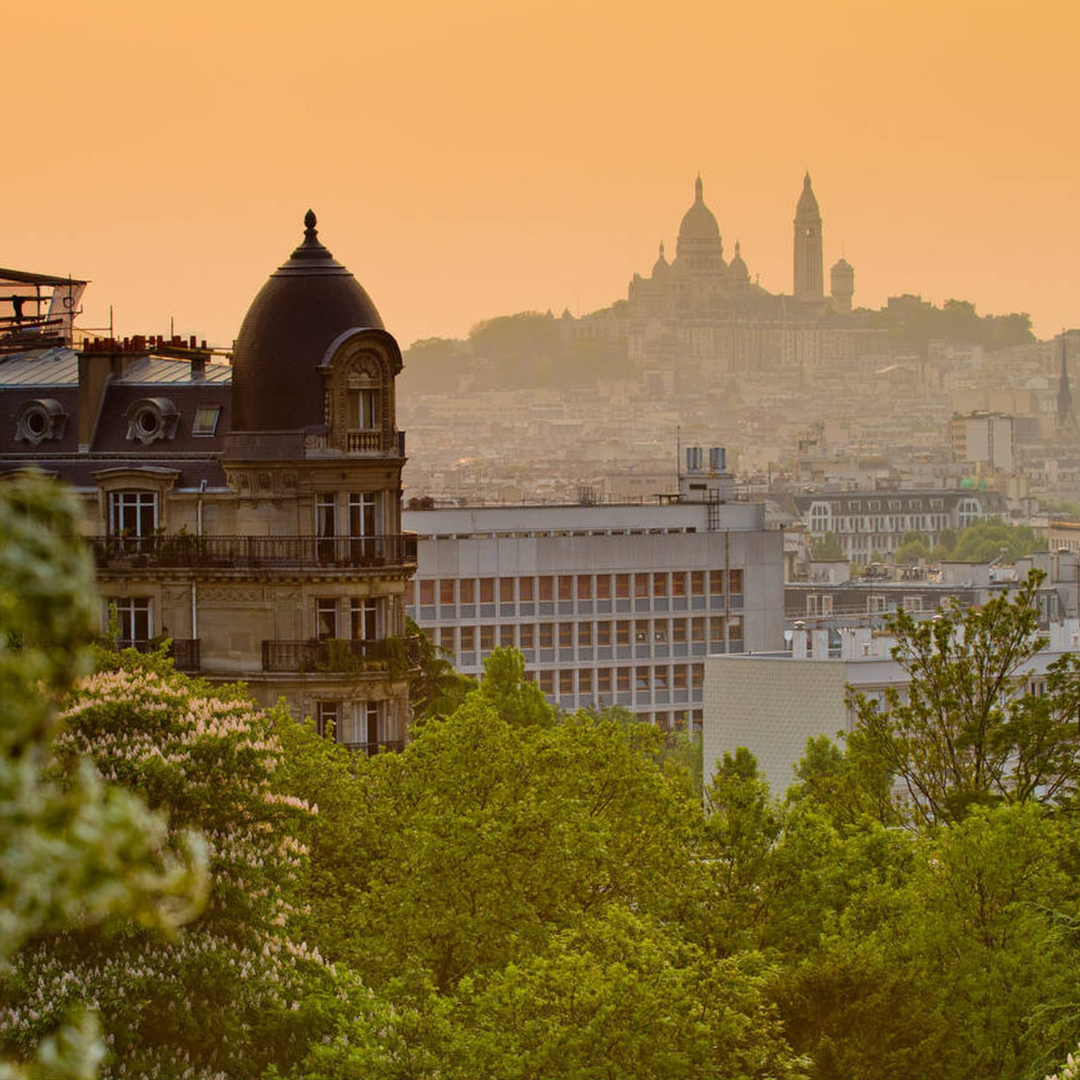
pixel 251 512
pixel 610 604
pixel 772 704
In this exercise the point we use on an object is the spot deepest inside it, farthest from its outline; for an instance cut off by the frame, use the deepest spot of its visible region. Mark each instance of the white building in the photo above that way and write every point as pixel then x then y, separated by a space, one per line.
pixel 772 704
pixel 611 604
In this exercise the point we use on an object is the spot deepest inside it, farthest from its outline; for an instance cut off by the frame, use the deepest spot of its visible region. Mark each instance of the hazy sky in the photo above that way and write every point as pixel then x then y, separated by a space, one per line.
pixel 473 159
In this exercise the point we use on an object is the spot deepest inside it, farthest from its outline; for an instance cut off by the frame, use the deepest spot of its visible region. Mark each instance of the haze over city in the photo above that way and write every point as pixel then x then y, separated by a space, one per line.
pixel 480 159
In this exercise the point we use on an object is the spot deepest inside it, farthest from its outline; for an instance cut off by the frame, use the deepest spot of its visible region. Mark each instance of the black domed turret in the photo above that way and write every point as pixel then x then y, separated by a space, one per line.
pixel 306 305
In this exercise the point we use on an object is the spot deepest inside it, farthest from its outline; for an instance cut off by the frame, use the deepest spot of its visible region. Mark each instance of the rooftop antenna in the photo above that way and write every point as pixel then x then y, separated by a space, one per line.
pixel 110 321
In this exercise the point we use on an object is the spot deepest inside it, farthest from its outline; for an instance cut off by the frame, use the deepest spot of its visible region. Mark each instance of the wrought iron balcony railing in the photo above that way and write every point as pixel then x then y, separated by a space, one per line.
pixel 184 651
pixel 393 656
pixel 387 746
pixel 257 552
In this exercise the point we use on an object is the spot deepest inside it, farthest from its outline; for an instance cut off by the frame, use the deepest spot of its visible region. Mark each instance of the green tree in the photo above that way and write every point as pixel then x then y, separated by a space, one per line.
pixel 994 539
pixel 968 731
pixel 77 854
pixel 913 546
pixel 231 993
pixel 828 547
pixel 436 689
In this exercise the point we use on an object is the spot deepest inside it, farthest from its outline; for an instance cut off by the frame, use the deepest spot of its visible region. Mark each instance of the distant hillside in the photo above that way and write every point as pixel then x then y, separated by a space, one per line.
pixel 512 352
pixel 530 349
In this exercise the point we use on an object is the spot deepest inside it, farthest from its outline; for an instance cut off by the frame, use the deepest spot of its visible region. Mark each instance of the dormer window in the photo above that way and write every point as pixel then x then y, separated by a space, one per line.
pixel 151 419
pixel 206 420
pixel 39 420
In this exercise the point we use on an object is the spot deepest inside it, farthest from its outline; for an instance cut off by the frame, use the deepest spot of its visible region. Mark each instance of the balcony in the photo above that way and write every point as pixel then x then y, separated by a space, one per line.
pixel 338 656
pixel 388 746
pixel 184 652
pixel 256 552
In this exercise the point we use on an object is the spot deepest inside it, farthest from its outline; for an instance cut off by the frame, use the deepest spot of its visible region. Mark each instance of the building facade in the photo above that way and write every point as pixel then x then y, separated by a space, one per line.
pixel 866 522
pixel 249 512
pixel 611 605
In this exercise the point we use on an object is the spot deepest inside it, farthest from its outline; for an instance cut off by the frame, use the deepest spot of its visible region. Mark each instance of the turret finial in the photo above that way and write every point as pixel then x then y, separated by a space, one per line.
pixel 310 232
pixel 697 188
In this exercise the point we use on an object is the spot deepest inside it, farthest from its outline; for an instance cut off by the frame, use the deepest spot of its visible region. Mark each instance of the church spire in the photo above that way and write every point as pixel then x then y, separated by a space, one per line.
pixel 1064 401
pixel 698 196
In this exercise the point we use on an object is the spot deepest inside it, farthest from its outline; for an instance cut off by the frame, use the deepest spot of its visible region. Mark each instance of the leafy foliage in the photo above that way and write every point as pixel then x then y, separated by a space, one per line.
pixel 77 853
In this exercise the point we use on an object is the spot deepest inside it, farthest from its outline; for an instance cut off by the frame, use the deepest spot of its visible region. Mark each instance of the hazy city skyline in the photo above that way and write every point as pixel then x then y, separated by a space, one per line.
pixel 480 160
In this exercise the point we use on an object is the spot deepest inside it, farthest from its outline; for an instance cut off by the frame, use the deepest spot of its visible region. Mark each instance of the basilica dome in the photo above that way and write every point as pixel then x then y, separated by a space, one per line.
pixel 699 247
pixel 304 307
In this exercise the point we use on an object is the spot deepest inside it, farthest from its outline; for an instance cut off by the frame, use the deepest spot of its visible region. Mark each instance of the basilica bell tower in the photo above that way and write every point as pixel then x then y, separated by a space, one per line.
pixel 808 276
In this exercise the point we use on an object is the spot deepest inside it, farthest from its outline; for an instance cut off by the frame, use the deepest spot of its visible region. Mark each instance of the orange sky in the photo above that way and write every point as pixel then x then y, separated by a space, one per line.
pixel 471 159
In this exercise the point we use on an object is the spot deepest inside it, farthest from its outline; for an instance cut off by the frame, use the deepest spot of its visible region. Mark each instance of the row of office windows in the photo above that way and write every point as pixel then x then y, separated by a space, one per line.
pixel 588 682
pixel 714 629
pixel 509 590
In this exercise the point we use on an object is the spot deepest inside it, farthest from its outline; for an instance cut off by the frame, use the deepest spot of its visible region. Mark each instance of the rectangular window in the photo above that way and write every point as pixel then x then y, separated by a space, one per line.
pixel 134 615
pixel 526 636
pixel 660 631
pixel 584 587
pixel 679 676
pixel 525 590
pixel 487 590
pixel 697 629
pixel 641 678
pixel 206 420
pixel 468 639
pixel 734 628
pixel 697 676
pixel 603 587
pixel 410 594
pixel 716 582
pixel 506 590
pixel 566 587
pixel 659 584
pixel 547 681
pixel 622 586
pixel 735 582
pixel 546 585
pixel 585 681
pixel 362 514
pixel 660 678
pixel 641 631
pixel 446 591
pixel 364 619
pixel 566 635
pixel 584 635
pixel 678 583
pixel 547 635
pixel 622 632
pixel 603 680
pixel 678 631
pixel 716 629
pixel 447 638
pixel 506 636
pixel 467 591
pixel 132 513
pixel 697 582
pixel 427 593
pixel 641 585
pixel 603 634
pixel 566 682
pixel 363 409
pixel 487 638
pixel 326 619
pixel 327 718
pixel 622 680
